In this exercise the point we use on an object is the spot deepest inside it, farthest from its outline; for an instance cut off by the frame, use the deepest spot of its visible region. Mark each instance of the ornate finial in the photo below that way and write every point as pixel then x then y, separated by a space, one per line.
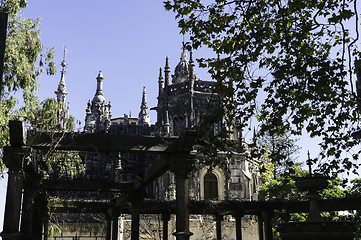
pixel 100 75
pixel 309 163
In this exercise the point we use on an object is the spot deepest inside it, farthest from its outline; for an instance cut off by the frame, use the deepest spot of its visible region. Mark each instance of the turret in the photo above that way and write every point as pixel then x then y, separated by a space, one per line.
pixel 98 113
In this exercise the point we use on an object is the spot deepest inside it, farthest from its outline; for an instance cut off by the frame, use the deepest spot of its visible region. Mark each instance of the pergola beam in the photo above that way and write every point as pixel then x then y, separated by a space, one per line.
pixel 221 207
pixel 88 185
pixel 97 142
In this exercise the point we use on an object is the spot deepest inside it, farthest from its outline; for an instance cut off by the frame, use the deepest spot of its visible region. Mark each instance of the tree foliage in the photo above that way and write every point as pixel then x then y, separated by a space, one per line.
pixel 279 173
pixel 25 59
pixel 287 62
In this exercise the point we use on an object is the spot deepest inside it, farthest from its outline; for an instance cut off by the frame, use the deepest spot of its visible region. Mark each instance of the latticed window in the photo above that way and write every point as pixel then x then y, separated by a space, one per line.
pixel 210 187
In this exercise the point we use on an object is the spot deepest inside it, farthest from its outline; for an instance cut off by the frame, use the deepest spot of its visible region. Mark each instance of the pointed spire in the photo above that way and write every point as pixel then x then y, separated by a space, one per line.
pixel 166 72
pixel 63 113
pixel 61 91
pixel 160 81
pixel 144 113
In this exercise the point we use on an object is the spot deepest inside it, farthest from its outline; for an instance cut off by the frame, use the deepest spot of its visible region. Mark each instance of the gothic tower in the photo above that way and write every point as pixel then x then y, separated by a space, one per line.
pixel 183 103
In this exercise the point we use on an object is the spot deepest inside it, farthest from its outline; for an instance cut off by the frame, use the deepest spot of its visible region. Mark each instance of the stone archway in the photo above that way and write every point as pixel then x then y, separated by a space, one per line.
pixel 218 173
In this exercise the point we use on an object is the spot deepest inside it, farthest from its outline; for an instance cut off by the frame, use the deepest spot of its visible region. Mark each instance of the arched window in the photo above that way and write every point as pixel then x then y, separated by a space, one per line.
pixel 210 187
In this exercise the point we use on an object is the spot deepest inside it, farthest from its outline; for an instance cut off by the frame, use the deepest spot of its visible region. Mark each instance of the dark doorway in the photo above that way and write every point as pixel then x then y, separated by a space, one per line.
pixel 210 187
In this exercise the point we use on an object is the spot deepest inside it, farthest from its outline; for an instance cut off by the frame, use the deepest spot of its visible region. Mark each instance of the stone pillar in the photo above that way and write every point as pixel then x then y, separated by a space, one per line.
pixel 33 213
pixel 165 219
pixel 39 215
pixel 238 217
pixel 268 225
pixel 108 229
pixel 136 199
pixel 182 208
pixel 260 227
pixel 135 223
pixel 115 220
pixel 13 159
pixel 219 219
pixel 46 226
pixel 182 165
pixel 27 209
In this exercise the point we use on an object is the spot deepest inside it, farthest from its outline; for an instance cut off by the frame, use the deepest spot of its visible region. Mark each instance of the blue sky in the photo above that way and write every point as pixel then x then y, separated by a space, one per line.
pixel 127 40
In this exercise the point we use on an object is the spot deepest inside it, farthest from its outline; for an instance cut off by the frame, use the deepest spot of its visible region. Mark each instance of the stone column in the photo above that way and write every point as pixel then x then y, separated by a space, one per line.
pixel 108 228
pixel 30 204
pixel 115 220
pixel 165 219
pixel 136 199
pixel 268 225
pixel 39 215
pixel 219 219
pixel 238 217
pixel 260 227
pixel 182 165
pixel 182 208
pixel 13 159
pixel 135 223
pixel 46 226
pixel 27 209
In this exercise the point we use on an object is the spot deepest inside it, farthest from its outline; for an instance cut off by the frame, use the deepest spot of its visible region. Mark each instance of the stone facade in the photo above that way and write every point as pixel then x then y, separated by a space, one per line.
pixel 182 104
